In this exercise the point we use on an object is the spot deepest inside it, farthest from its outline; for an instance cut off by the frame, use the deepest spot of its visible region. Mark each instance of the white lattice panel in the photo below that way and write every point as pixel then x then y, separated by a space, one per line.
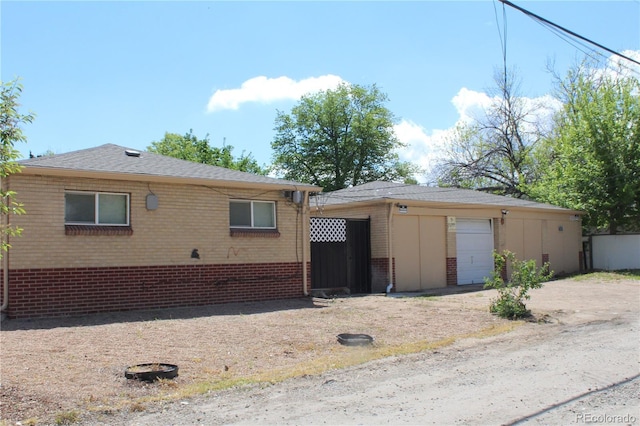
pixel 328 230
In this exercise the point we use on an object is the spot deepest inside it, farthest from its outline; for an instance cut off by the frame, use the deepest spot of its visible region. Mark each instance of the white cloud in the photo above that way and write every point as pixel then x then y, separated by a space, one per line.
pixel 471 104
pixel 265 90
pixel 424 148
pixel 633 54
pixel 427 148
pixel 625 67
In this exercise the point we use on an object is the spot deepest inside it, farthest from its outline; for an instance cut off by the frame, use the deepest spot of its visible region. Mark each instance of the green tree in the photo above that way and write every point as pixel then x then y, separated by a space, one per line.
pixel 493 153
pixel 11 122
pixel 593 155
pixel 189 147
pixel 339 138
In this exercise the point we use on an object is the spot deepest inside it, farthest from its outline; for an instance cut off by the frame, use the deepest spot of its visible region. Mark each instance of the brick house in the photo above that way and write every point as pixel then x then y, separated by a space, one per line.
pixel 110 229
pixel 431 237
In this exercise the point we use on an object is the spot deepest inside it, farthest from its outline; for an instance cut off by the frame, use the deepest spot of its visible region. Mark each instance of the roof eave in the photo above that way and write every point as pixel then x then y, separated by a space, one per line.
pixel 447 205
pixel 53 171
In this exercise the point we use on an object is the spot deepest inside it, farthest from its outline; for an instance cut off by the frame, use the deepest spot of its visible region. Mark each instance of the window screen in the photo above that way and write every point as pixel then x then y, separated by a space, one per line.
pixel 252 214
pixel 95 208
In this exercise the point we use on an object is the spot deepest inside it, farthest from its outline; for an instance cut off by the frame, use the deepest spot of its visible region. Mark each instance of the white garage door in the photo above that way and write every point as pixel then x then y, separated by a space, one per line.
pixel 474 242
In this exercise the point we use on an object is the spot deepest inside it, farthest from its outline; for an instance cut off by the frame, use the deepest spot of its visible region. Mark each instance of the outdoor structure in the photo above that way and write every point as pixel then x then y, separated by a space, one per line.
pixel 110 229
pixel 427 237
pixel 615 252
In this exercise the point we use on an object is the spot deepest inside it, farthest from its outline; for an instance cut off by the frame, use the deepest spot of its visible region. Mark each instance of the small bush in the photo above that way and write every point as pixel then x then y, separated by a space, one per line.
pixel 67 418
pixel 525 275
pixel 137 407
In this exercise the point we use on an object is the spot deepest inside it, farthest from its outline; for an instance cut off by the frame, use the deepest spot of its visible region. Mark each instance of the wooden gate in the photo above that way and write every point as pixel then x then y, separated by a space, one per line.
pixel 340 254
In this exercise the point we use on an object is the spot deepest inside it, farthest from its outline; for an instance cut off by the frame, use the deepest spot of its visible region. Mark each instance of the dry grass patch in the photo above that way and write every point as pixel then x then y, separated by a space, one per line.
pixel 71 365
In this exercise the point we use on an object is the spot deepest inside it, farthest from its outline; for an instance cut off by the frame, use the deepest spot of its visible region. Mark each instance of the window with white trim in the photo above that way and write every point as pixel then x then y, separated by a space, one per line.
pixel 96 208
pixel 252 214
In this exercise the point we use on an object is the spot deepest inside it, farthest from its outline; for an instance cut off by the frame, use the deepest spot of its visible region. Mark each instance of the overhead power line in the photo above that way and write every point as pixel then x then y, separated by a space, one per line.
pixel 533 15
pixel 503 36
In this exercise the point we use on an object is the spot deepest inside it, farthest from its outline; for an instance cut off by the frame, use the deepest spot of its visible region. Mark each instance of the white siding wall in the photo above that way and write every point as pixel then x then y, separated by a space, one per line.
pixel 615 252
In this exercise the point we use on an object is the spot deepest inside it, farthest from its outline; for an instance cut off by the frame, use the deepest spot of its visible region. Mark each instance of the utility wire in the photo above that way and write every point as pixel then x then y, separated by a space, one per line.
pixel 533 15
pixel 503 35
pixel 588 51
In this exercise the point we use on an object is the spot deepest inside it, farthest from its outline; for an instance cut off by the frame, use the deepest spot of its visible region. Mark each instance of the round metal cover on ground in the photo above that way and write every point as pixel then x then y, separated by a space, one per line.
pixel 151 371
pixel 354 339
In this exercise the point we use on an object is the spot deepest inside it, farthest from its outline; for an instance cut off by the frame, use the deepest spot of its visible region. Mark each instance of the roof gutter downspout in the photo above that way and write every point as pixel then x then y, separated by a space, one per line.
pixel 5 264
pixel 390 246
pixel 305 240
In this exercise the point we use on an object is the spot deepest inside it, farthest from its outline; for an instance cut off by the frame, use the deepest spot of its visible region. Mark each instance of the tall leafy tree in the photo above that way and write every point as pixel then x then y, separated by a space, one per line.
pixel 189 147
pixel 11 122
pixel 339 138
pixel 493 153
pixel 593 156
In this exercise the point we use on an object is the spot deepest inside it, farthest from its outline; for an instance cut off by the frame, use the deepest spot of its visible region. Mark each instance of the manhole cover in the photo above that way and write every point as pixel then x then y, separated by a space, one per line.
pixel 348 339
pixel 151 371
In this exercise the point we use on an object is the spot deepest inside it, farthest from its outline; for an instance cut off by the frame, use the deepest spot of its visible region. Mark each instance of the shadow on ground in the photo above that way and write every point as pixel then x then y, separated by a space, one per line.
pixel 245 308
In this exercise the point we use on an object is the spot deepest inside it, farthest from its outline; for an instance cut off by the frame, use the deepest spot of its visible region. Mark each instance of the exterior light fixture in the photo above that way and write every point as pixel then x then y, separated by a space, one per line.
pixel 504 213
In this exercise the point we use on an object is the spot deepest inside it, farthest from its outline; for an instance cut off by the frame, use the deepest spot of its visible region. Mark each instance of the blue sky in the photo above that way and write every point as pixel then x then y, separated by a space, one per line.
pixel 127 72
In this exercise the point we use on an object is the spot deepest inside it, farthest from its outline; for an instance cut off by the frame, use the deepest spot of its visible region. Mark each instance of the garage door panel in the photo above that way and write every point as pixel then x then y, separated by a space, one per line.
pixel 406 247
pixel 474 242
pixel 433 241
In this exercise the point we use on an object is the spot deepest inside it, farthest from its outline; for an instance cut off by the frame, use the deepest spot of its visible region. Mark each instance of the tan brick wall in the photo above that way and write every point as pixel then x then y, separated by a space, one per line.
pixel 451 239
pixel 557 234
pixel 188 217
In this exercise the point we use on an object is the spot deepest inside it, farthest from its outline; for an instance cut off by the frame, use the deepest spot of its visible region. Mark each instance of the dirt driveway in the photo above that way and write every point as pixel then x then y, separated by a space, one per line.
pixel 73 369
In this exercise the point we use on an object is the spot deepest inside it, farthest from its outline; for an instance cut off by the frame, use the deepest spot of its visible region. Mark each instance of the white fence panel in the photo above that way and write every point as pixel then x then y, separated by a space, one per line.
pixel 615 252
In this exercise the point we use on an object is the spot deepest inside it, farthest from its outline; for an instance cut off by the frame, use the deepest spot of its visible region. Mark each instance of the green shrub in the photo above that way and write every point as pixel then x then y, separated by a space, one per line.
pixel 525 275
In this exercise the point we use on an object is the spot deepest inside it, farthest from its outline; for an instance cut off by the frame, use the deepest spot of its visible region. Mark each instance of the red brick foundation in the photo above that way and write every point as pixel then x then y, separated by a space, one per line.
pixel 380 274
pixel 78 291
pixel 452 271
pixel 581 261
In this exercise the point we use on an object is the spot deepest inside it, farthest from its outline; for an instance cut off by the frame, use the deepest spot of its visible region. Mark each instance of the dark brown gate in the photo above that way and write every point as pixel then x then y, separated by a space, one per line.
pixel 341 254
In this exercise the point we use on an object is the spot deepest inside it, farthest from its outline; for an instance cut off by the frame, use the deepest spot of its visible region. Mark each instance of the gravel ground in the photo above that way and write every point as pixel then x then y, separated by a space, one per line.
pixel 581 366
pixel 67 368
pixel 579 359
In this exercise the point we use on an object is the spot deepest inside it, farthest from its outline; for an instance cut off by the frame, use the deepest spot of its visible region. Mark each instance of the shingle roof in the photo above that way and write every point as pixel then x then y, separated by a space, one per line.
pixel 111 158
pixel 381 191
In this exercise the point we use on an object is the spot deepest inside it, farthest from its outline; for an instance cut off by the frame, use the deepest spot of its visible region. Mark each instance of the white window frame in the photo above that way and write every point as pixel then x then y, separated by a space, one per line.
pixel 96 200
pixel 252 226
